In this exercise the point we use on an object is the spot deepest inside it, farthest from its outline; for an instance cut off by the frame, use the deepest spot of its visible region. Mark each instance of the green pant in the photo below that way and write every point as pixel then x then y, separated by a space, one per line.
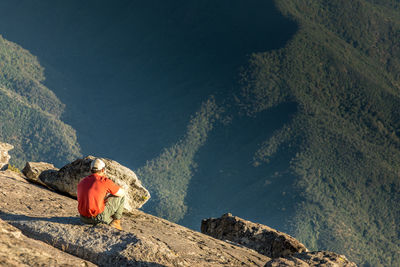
pixel 113 210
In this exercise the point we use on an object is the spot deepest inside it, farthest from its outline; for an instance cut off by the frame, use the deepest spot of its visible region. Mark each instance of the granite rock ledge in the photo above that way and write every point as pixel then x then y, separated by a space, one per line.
pixel 284 249
pixel 66 179
pixel 146 240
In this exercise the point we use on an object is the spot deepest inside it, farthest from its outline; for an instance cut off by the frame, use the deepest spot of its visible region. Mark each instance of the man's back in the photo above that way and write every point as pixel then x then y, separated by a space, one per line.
pixel 92 191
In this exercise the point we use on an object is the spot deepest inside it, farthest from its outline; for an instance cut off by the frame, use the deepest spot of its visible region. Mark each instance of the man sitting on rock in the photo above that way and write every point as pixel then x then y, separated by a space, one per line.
pixel 100 200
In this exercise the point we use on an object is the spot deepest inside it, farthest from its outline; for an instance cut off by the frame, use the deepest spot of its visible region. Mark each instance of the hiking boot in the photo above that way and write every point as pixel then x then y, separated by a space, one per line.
pixel 116 224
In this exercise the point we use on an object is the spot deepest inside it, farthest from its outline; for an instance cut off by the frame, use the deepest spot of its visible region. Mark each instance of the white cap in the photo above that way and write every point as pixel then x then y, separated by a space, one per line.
pixel 97 165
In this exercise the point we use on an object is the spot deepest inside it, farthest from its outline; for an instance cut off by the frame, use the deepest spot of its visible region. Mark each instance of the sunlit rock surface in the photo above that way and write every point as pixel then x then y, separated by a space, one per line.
pixel 18 250
pixel 4 157
pixel 67 178
pixel 146 240
pixel 282 248
pixel 261 238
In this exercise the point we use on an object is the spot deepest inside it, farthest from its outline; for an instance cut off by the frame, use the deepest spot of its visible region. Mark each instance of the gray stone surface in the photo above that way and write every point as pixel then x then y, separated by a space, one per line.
pixel 18 250
pixel 282 248
pixel 287 262
pixel 4 156
pixel 261 238
pixel 68 177
pixel 313 259
pixel 146 240
pixel 33 170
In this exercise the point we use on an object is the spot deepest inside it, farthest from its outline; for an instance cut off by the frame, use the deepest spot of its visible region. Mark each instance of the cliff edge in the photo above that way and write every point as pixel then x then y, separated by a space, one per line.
pixel 147 240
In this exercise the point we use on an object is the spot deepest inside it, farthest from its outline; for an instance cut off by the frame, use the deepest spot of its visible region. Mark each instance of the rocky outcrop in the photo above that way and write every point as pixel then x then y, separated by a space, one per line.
pixel 4 157
pixel 67 178
pixel 284 249
pixel 33 170
pixel 312 259
pixel 261 238
pixel 146 240
pixel 18 250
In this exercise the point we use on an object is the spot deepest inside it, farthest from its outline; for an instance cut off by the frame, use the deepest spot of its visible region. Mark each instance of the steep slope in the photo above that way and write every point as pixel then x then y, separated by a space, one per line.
pixel 149 65
pixel 29 112
pixel 318 152
pixel 170 173
pixel 342 70
pixel 143 72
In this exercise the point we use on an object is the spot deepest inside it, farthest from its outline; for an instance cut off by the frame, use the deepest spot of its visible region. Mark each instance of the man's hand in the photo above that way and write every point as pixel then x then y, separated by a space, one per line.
pixel 120 192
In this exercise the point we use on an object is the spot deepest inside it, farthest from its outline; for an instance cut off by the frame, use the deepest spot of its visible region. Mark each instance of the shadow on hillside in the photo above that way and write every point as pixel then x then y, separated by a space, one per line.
pixel 227 175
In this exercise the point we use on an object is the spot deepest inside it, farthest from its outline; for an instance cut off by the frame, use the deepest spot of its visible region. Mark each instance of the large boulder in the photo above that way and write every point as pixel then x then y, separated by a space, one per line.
pixel 33 170
pixel 4 157
pixel 67 178
pixel 312 259
pixel 261 238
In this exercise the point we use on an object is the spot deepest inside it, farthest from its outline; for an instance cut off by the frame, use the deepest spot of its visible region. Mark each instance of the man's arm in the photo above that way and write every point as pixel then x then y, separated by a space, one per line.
pixel 112 187
pixel 120 192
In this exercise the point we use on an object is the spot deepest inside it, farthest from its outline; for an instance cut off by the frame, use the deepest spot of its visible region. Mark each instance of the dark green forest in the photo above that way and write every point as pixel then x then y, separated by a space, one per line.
pixel 342 70
pixel 30 112
pixel 308 142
